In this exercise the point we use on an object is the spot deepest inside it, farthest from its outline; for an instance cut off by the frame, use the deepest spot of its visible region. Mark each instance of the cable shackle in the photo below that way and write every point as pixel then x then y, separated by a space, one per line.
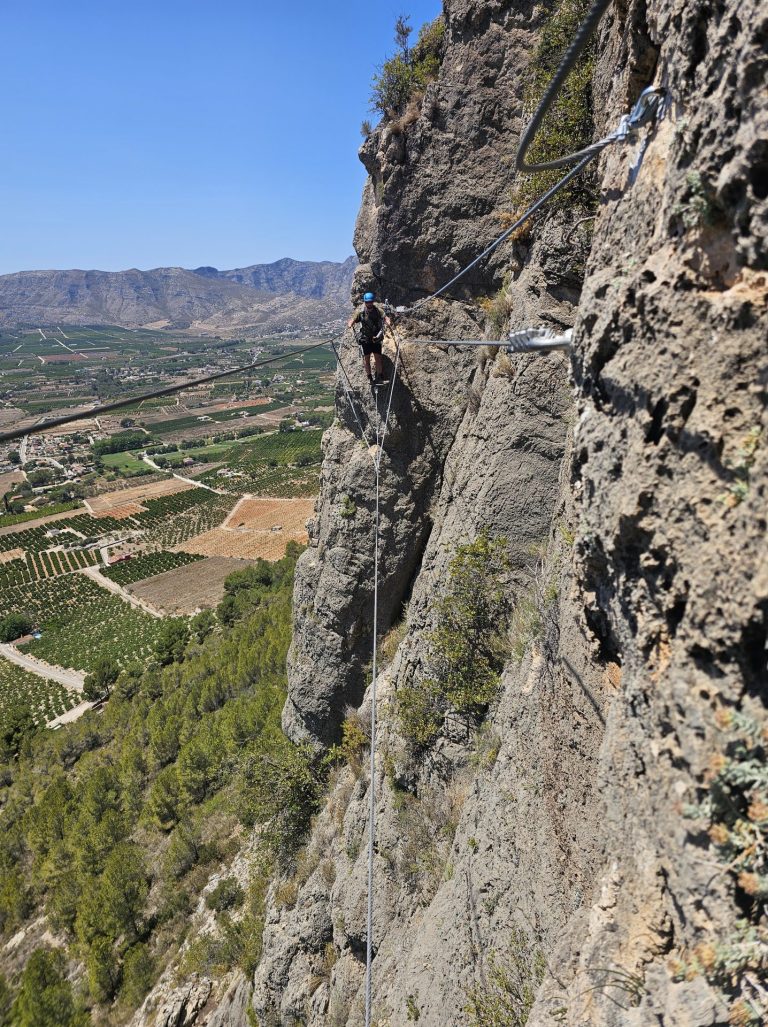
pixel 532 340
pixel 648 107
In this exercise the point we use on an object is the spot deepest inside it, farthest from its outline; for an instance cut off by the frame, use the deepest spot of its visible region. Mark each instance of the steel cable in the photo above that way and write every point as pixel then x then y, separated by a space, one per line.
pixel 348 389
pixel 564 69
pixel 374 674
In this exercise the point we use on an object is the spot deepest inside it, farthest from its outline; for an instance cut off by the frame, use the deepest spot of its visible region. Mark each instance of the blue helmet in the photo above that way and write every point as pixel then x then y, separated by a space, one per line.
pixel 369 297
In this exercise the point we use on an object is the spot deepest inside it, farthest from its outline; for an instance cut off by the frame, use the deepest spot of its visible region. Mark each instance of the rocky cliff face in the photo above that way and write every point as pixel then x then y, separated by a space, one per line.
pixel 542 865
pixel 286 295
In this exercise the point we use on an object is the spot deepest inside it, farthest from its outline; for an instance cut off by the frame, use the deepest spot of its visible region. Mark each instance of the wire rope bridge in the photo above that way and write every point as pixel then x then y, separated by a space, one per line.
pixel 649 107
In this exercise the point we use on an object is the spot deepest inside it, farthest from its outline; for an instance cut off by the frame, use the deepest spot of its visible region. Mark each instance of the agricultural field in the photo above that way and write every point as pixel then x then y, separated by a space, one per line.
pixel 80 621
pixel 213 417
pixel 37 566
pixel 108 502
pixel 61 366
pixel 8 520
pixel 283 464
pixel 256 528
pixel 9 478
pixel 170 527
pixel 195 586
pixel 146 565
pixel 183 540
pixel 35 540
pixel 68 545
pixel 280 482
pixel 207 454
pixel 127 464
pixel 21 691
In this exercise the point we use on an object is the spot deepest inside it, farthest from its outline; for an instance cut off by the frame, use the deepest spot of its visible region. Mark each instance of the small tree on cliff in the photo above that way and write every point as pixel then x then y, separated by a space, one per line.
pixel 407 73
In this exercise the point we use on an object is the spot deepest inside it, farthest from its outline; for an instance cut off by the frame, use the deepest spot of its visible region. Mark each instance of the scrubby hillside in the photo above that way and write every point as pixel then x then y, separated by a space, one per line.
pixel 126 857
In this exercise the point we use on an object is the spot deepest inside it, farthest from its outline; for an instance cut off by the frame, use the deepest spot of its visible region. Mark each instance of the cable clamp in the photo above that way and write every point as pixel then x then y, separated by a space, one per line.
pixel 531 339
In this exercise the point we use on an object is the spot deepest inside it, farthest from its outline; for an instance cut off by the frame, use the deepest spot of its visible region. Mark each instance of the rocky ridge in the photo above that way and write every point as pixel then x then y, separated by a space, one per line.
pixel 288 295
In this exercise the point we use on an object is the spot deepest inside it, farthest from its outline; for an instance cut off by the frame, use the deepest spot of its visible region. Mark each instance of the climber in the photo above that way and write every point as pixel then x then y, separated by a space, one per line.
pixel 372 322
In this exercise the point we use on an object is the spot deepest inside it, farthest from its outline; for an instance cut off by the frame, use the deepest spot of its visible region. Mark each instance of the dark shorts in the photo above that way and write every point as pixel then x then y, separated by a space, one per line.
pixel 370 346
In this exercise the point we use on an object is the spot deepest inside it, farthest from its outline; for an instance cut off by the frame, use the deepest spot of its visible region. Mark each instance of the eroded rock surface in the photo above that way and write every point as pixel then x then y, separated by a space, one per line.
pixel 553 845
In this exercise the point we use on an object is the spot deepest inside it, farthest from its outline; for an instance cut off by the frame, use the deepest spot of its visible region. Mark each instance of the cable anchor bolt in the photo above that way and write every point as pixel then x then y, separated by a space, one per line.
pixel 649 105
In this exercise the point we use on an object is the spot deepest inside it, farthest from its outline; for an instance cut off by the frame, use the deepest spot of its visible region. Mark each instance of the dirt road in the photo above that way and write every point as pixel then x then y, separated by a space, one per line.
pixel 72 679
pixel 118 590
pixel 180 477
pixel 71 715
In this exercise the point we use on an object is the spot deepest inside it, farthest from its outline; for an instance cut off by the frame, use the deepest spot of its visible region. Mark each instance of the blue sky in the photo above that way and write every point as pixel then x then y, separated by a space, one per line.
pixel 185 133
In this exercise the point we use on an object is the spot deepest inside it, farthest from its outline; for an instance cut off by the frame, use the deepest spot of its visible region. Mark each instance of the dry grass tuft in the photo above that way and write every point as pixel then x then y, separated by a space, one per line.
pixel 504 366
pixel 409 116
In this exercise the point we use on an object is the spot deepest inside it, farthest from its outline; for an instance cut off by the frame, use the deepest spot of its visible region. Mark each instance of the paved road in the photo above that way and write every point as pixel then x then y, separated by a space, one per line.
pixel 118 590
pixel 69 678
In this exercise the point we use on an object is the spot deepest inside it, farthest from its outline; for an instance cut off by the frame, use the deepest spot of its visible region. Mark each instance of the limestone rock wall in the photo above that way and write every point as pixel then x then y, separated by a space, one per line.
pixel 550 846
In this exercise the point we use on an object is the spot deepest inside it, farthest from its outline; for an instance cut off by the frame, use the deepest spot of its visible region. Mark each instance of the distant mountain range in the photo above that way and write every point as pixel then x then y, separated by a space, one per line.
pixel 286 296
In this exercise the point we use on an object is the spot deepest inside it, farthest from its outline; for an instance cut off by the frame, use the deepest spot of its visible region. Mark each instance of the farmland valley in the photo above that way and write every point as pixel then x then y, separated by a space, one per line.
pixel 118 533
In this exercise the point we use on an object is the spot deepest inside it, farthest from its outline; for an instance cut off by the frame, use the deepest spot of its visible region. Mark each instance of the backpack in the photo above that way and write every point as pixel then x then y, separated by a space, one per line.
pixel 371 324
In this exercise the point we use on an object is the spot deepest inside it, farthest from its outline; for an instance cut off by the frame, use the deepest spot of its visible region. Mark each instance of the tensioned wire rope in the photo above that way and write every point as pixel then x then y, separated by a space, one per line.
pixel 348 390
pixel 381 433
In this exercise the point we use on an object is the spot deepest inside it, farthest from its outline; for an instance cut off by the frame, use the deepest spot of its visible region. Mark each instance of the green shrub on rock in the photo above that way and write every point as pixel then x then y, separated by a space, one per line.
pixel 225 895
pixel 468 646
pixel 407 74
pixel 505 997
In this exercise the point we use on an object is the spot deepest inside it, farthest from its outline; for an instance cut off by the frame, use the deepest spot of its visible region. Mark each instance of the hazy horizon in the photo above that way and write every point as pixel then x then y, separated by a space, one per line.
pixel 156 136
pixel 168 267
